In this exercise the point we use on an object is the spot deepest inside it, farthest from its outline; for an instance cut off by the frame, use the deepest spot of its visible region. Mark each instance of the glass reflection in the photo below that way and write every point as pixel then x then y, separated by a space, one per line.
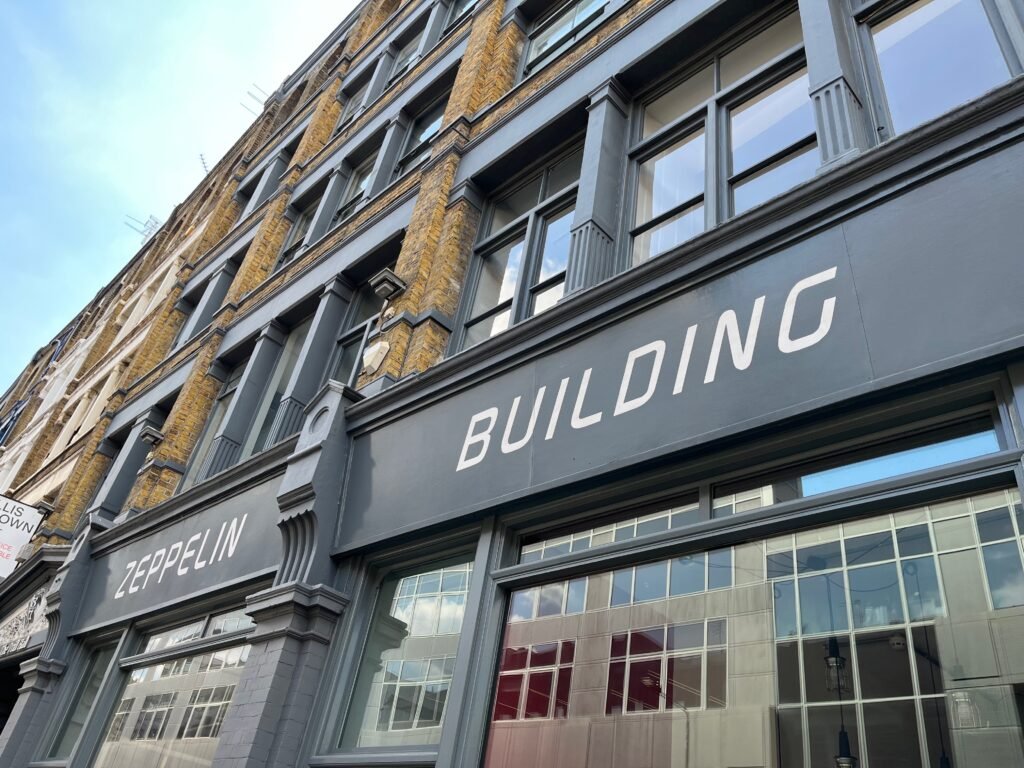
pixel 841 635
pixel 406 671
pixel 935 55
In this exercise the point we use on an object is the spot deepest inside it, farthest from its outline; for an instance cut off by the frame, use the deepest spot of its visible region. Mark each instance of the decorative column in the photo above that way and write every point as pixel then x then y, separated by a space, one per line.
pixel 227 443
pixel 328 205
pixel 296 617
pixel 836 89
pixel 127 462
pixel 592 248
pixel 313 358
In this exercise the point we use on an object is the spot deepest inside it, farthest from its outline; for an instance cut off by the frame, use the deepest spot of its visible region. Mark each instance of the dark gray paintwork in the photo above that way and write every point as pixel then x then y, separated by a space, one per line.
pixel 912 290
pixel 258 552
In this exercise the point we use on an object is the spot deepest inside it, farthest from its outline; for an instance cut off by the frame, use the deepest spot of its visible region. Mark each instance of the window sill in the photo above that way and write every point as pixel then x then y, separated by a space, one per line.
pixel 374 757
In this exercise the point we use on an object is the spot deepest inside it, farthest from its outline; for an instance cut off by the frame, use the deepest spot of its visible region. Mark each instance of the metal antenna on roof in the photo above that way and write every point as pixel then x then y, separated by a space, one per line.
pixel 206 168
pixel 145 228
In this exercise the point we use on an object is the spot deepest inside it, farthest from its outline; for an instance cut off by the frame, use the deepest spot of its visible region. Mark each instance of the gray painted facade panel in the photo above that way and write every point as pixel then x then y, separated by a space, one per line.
pixel 902 276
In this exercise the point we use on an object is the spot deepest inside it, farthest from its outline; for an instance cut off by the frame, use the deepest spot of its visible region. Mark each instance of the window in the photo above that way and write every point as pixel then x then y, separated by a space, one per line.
pixel 82 703
pixel 355 189
pixel 182 701
pixel 563 598
pixel 934 55
pixel 880 462
pixel 686 575
pixel 686 512
pixel 297 234
pixel 458 9
pixel 766 145
pixel 259 436
pixel 562 28
pixel 359 324
pixel 405 55
pixel 353 103
pixel 213 423
pixel 521 261
pixel 408 661
pixel 546 671
pixel 424 129
pixel 882 628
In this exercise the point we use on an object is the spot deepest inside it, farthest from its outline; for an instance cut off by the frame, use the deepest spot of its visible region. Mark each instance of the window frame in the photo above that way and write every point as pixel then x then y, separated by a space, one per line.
pixel 575 33
pixel 304 219
pixel 357 99
pixel 191 477
pixel 351 332
pixel 475 543
pixel 530 227
pixel 454 18
pixel 712 117
pixel 411 151
pixel 355 192
pixel 868 13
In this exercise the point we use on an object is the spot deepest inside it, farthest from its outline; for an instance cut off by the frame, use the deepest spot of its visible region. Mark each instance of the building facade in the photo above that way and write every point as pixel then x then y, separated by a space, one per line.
pixel 623 383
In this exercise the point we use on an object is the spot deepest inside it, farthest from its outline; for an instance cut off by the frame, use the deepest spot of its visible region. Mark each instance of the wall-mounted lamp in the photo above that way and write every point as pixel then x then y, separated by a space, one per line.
pixel 387 284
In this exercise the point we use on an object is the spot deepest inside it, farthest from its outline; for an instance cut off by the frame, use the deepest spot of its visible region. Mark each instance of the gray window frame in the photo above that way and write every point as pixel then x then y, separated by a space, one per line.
pixel 352 333
pixel 712 116
pixel 529 226
pixel 301 225
pixel 528 67
pixel 411 150
pixel 867 13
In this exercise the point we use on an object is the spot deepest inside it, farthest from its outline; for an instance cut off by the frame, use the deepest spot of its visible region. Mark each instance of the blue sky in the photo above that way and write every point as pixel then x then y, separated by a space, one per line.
pixel 107 105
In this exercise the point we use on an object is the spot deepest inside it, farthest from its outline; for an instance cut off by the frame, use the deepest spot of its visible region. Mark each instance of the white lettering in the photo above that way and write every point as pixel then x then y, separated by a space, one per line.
pixel 472 438
pixel 154 564
pixel 788 344
pixel 139 572
pixel 172 559
pixel 509 446
pixel 557 410
pixel 199 562
pixel 187 553
pixel 579 421
pixel 656 348
pixel 684 359
pixel 742 351
pixel 120 590
pixel 233 535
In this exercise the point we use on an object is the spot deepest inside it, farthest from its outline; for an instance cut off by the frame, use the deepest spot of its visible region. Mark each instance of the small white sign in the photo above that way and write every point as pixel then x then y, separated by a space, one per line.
pixel 18 522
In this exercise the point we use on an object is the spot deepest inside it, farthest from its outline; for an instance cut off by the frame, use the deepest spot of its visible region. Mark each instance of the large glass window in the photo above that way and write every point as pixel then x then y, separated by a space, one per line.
pixel 355 189
pixel 767 145
pixel 524 249
pixel 359 324
pixel 82 703
pixel 408 661
pixel 354 103
pixel 405 55
pixel 171 712
pixel 934 55
pixel 561 28
pixel 297 234
pixel 889 640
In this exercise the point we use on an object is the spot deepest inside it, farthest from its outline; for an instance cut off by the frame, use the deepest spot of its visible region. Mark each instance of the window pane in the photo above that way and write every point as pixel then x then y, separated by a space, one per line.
pixel 683 690
pixel 870 548
pixel 555 253
pixel 720 569
pixel 875 592
pixel 1005 576
pixel 775 119
pixel 785 609
pixel 650 582
pixel 924 598
pixel 822 603
pixel 788 665
pixel 555 32
pixel 485 329
pixel 645 683
pixel 914 540
pixel 671 178
pixel 828 668
pixel 564 172
pixel 883 665
pixel 347 361
pixel 775 179
pixel 934 56
pixel 820 557
pixel 506 701
pixel 680 100
pixel 823 724
pixel 79 713
pixel 546 299
pixel 891 729
pixel 538 694
pixel 513 205
pixel 759 50
pixel 182 707
pixel 672 232
pixel 418 653
pixel 687 575
pixel 498 276
pixel 994 525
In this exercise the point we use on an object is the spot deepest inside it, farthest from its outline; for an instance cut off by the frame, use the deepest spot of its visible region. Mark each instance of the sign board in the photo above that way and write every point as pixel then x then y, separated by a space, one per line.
pixel 18 522
pixel 918 284
pixel 233 540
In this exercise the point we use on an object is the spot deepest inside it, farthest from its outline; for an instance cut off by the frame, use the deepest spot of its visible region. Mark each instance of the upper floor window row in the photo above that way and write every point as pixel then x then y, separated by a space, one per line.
pixel 556 31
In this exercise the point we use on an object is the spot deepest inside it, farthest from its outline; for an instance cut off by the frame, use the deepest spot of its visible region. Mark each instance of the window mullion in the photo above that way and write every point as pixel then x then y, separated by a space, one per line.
pixel 715 130
pixel 527 268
